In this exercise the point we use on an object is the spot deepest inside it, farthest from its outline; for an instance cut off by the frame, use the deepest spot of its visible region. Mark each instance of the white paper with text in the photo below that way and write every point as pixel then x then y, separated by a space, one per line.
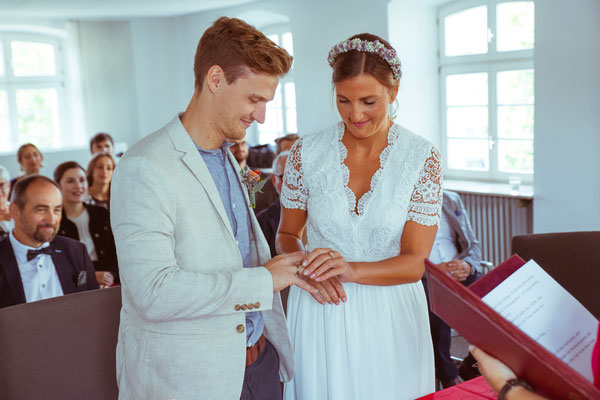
pixel 534 302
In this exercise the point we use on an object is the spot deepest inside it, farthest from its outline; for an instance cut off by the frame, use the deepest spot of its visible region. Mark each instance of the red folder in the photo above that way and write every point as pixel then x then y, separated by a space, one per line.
pixel 463 309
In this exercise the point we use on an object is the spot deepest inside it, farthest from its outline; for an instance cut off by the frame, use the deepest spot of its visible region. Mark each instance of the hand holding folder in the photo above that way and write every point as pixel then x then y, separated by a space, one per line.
pixel 463 309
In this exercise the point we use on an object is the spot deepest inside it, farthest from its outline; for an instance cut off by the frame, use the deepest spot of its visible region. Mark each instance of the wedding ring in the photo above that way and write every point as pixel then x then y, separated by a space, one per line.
pixel 318 285
pixel 297 270
pixel 331 254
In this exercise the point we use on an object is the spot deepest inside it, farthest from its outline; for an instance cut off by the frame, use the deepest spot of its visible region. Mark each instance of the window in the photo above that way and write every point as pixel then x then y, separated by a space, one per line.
pixel 281 117
pixel 31 91
pixel 487 93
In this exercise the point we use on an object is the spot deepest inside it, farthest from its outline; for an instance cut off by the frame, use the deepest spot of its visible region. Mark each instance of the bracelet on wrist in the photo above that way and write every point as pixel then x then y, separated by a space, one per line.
pixel 510 384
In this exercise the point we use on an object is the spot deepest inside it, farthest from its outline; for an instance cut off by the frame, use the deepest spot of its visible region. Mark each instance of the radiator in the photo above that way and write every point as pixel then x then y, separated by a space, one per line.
pixel 496 219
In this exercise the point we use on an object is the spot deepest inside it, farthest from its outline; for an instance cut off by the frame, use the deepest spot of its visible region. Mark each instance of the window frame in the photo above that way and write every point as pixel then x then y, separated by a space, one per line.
pixel 11 84
pixel 280 29
pixel 491 63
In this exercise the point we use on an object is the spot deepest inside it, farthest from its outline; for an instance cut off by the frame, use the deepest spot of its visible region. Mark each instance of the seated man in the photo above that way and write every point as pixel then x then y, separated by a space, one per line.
pixel 102 143
pixel 457 251
pixel 35 264
pixel 286 142
pixel 269 217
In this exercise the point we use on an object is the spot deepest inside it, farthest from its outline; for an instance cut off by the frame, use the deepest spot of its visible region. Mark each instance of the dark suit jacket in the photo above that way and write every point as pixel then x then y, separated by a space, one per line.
pixel 102 236
pixel 70 257
pixel 468 247
pixel 269 222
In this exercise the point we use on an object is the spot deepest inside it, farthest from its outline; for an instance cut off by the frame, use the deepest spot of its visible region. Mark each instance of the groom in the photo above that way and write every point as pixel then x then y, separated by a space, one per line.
pixel 201 315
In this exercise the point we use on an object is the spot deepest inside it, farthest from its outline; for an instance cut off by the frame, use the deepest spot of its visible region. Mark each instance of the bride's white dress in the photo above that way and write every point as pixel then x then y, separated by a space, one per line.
pixel 377 345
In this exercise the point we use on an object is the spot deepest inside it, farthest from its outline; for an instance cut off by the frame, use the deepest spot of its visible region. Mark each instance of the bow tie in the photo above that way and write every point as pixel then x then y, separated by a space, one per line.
pixel 31 254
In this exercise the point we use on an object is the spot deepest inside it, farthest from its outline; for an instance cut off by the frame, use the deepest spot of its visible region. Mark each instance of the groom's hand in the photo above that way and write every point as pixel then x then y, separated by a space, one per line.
pixel 286 270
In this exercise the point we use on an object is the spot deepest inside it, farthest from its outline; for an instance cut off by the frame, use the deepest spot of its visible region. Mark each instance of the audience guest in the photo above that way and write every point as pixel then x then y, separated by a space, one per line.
pixel 269 217
pixel 99 175
pixel 35 264
pixel 286 142
pixel 31 161
pixel 239 149
pixel 5 220
pixel 102 143
pixel 504 381
pixel 87 223
pixel 457 251
pixel 260 156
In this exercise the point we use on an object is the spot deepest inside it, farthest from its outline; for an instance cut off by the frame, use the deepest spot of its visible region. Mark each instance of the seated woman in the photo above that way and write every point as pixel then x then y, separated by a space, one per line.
pixel 6 224
pixel 99 174
pixel 87 223
pixel 31 161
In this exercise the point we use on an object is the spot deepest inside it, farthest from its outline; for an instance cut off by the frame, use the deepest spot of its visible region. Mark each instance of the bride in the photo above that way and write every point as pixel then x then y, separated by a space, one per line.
pixel 368 192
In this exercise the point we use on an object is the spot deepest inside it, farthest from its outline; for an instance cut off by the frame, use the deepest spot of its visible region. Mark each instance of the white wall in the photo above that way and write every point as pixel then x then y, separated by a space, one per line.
pixel 567 116
pixel 316 27
pixel 413 33
pixel 108 80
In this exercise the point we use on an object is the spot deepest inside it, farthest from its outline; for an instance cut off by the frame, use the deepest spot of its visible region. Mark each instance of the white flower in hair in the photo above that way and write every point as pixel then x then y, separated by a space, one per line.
pixel 375 47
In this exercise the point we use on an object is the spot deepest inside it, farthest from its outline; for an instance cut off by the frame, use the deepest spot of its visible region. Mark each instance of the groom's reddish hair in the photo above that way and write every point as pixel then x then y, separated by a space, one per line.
pixel 234 46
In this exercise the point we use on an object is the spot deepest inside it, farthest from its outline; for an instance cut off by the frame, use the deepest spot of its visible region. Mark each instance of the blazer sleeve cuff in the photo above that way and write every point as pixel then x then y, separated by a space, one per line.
pixel 259 292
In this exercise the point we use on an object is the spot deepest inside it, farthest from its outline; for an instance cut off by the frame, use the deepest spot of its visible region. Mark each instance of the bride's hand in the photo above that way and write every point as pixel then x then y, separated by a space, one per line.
pixel 330 291
pixel 322 264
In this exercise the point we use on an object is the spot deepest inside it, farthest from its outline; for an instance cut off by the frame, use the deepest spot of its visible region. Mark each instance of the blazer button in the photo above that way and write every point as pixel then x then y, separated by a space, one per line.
pixel 250 306
pixel 106 228
pixel 96 235
pixel 237 307
pixel 257 304
pixel 244 307
pixel 240 328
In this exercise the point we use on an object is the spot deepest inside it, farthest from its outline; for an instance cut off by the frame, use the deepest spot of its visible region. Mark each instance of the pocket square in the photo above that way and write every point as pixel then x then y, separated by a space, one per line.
pixel 81 278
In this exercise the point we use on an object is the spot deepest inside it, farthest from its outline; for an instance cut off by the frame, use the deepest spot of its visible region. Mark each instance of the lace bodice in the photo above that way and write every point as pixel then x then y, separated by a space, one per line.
pixel 407 186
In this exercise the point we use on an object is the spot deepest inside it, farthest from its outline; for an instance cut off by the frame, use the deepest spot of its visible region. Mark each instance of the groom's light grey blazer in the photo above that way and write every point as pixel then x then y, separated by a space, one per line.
pixel 184 288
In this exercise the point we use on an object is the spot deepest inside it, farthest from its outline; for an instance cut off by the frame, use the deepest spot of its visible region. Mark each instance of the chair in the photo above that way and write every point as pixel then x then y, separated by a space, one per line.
pixel 61 348
pixel 571 258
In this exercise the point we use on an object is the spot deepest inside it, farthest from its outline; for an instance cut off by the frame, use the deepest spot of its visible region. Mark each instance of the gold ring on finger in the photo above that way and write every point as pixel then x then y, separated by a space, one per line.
pixel 297 270
pixel 331 254
pixel 318 285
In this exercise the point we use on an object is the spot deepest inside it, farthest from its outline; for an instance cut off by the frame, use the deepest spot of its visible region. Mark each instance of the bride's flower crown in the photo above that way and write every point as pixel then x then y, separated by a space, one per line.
pixel 375 47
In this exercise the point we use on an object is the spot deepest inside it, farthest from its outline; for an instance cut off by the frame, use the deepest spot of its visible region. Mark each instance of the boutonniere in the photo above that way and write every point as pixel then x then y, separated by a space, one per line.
pixel 253 182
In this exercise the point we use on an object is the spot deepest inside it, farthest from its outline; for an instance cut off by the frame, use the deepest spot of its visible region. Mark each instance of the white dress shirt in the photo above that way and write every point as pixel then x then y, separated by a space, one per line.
pixel 39 276
pixel 444 247
pixel 83 228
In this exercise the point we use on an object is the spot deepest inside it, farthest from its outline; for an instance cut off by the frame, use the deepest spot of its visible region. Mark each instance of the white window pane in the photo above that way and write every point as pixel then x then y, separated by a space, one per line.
pixel 2 71
pixel 32 58
pixel 515 156
pixel 515 87
pixel 291 120
pixel 267 137
pixel 515 25
pixel 466 32
pixel 274 115
pixel 467 89
pixel 38 120
pixel 469 154
pixel 515 122
pixel 290 94
pixel 5 142
pixel 274 37
pixel 287 42
pixel 467 122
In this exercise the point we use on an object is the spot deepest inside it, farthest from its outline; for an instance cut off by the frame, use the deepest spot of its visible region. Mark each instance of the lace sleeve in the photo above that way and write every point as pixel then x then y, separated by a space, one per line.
pixel 293 191
pixel 425 205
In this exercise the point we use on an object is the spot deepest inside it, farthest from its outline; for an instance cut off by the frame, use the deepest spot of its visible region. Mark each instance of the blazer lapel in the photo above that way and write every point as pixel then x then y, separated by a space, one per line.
pixel 11 271
pixel 66 275
pixel 193 160
pixel 262 247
